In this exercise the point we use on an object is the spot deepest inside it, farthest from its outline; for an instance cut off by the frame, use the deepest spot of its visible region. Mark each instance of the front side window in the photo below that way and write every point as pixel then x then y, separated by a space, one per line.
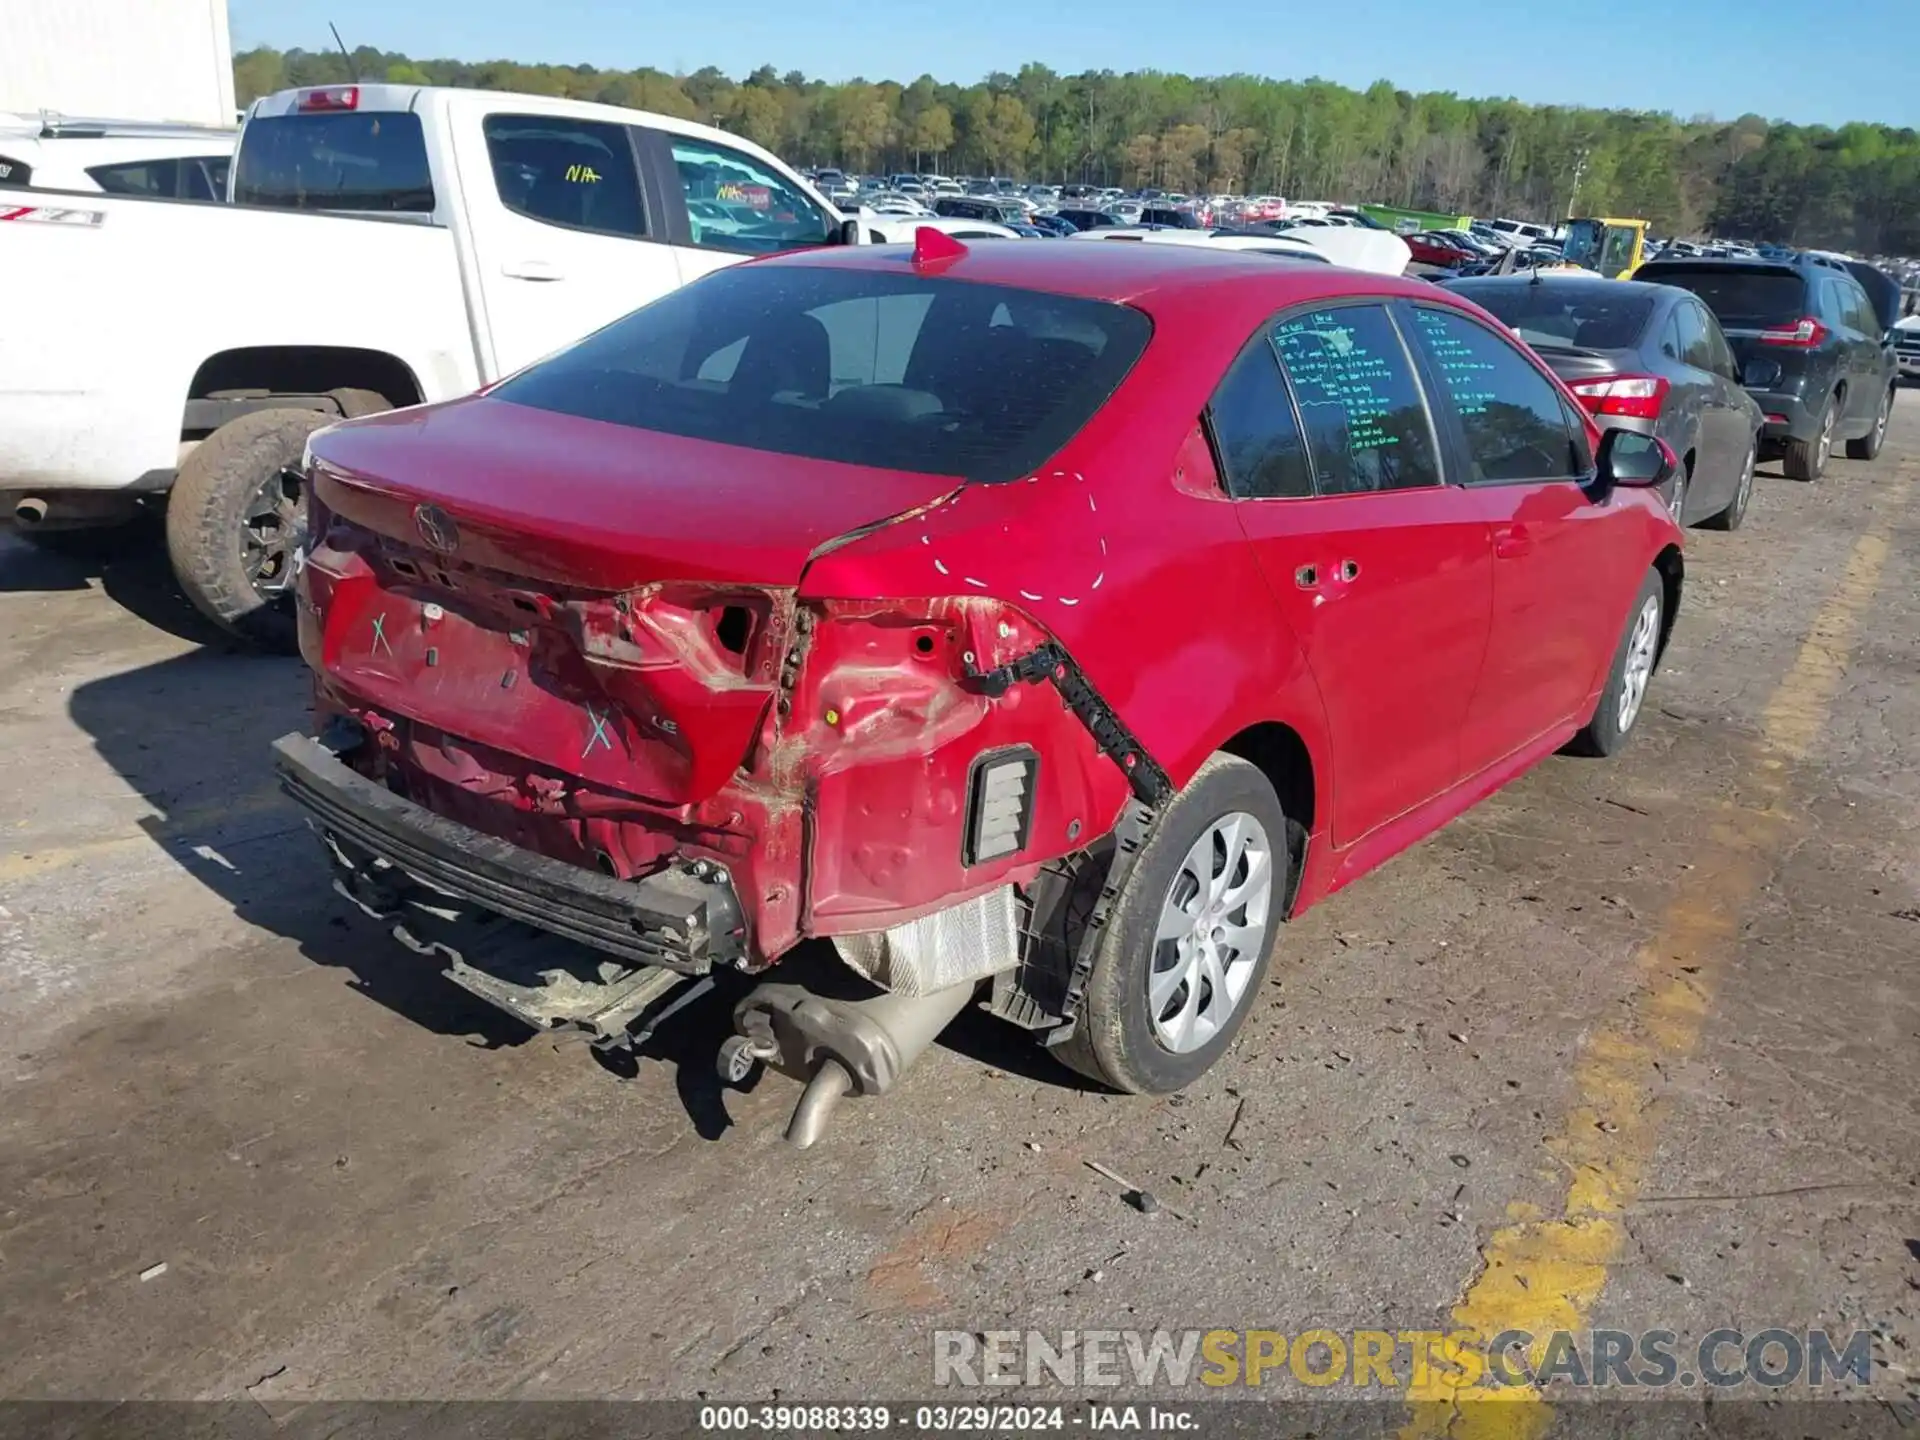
pixel 737 203
pixel 1366 426
pixel 1510 414
pixel 865 367
pixel 363 160
pixel 1256 435
pixel 576 174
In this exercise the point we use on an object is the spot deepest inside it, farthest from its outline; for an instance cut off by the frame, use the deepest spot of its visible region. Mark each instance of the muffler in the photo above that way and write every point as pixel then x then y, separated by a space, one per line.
pixel 842 1047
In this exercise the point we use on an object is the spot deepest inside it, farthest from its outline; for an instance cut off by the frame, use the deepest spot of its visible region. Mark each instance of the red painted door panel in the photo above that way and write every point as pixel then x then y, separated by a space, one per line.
pixel 1390 597
pixel 1553 627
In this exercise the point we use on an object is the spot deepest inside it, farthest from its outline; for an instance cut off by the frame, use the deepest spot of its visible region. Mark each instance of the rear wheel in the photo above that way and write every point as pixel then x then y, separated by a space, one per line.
pixel 1633 666
pixel 235 516
pixel 1190 937
pixel 1807 459
pixel 1867 447
pixel 1736 511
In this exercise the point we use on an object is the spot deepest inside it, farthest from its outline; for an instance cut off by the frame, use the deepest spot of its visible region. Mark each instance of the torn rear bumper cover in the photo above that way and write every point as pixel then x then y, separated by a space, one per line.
pixel 671 918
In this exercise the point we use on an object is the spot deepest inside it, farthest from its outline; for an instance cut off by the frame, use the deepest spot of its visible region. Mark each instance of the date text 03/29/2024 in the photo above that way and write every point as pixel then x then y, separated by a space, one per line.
pixel 942 1419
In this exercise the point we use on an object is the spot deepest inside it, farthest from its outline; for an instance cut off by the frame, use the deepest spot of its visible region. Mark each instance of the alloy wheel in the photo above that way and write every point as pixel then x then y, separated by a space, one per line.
pixel 1642 646
pixel 271 528
pixel 1211 934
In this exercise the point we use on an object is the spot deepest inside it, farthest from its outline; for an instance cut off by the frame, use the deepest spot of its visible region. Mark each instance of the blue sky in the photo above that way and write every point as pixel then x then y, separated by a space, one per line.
pixel 1825 63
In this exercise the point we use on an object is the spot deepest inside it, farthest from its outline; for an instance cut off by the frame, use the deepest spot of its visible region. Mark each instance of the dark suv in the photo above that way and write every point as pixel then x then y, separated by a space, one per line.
pixel 1812 349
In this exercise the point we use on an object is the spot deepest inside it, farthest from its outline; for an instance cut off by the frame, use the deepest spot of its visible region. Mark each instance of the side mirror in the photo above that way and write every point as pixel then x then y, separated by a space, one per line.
pixel 848 233
pixel 1632 461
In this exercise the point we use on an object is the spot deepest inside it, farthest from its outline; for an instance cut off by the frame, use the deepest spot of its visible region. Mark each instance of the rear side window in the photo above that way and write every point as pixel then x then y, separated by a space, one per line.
pixel 1742 298
pixel 897 371
pixel 365 160
pixel 1366 426
pixel 143 177
pixel 14 172
pixel 1262 454
pixel 1691 326
pixel 1510 414
pixel 577 174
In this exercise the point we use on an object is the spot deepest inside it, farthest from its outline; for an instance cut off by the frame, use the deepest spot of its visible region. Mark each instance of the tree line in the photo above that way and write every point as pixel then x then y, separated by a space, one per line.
pixel 1856 187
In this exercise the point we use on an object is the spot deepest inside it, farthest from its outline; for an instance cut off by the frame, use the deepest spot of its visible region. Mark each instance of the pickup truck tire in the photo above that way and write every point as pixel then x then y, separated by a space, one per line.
pixel 1139 1029
pixel 229 478
pixel 1867 447
pixel 355 403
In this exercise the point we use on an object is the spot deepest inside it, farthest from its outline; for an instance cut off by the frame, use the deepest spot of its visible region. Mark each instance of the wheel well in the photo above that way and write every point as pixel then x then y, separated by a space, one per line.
pixel 1672 570
pixel 1282 756
pixel 306 370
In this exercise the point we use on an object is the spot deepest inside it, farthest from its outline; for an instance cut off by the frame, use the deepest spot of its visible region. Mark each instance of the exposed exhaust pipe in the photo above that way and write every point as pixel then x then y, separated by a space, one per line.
pixel 843 1047
pixel 29 512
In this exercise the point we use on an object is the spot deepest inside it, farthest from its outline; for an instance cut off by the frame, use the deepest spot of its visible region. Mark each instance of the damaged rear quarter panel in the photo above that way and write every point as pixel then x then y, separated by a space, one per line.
pixel 885 739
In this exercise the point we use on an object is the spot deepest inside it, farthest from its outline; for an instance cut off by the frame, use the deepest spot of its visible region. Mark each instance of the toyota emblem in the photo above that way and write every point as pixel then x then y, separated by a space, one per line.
pixel 436 527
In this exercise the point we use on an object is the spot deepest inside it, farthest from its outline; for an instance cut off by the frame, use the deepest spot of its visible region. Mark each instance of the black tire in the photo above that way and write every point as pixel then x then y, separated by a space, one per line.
pixel 1807 459
pixel 1867 447
pixel 1114 1040
pixel 206 538
pixel 1606 733
pixel 1736 511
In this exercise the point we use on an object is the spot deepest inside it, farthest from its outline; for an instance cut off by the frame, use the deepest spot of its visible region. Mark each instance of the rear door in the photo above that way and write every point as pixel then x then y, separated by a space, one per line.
pixel 1868 369
pixel 1722 430
pixel 1559 594
pixel 564 239
pixel 725 205
pixel 1381 571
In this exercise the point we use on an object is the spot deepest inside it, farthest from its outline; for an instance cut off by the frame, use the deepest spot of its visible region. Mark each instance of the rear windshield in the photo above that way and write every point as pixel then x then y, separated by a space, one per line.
pixel 896 371
pixel 1741 299
pixel 1570 317
pixel 364 160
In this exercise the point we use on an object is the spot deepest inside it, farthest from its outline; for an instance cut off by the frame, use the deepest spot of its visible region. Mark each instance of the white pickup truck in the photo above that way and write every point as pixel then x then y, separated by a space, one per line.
pixel 388 245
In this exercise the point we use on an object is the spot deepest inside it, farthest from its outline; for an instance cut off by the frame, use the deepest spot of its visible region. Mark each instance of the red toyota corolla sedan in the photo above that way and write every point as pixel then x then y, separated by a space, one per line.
pixel 1040 624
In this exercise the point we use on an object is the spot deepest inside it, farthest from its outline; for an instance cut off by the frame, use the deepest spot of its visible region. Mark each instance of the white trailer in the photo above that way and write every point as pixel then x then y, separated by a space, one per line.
pixel 155 60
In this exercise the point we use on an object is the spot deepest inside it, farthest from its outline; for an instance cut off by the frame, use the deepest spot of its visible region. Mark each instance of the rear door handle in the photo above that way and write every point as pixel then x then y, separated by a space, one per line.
pixel 532 270
pixel 1510 542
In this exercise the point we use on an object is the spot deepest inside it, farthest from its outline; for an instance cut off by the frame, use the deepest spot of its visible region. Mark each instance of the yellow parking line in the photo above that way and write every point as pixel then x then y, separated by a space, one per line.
pixel 1543 1273
pixel 25 864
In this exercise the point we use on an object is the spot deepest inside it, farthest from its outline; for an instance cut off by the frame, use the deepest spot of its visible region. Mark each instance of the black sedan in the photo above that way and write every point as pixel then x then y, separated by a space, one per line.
pixel 1648 358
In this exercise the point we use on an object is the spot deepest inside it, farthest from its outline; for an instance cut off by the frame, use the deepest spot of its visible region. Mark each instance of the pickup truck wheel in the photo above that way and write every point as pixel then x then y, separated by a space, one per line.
pixel 1867 447
pixel 355 403
pixel 1190 937
pixel 1633 667
pixel 235 516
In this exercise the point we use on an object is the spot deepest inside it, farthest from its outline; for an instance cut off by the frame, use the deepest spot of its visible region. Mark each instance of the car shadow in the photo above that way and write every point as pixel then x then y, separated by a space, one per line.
pixel 192 734
pixel 128 562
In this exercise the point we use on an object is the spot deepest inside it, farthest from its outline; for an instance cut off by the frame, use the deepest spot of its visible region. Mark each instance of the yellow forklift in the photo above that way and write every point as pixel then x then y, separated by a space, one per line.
pixel 1608 247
